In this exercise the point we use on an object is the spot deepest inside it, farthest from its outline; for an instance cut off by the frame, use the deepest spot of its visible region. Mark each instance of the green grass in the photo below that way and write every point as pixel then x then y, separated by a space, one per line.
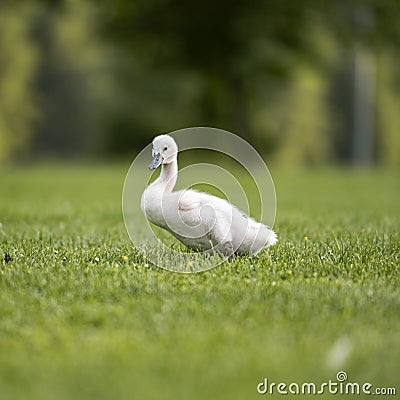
pixel 80 321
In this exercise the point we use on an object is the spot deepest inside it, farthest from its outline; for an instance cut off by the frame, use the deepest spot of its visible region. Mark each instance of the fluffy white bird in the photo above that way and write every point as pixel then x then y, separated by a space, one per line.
pixel 199 220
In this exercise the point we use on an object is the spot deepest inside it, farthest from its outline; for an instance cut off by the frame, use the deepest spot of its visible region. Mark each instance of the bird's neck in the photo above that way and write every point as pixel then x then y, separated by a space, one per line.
pixel 168 176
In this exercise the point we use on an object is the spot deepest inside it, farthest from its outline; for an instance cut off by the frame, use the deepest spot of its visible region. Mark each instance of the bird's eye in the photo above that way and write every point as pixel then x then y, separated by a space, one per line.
pixel 165 148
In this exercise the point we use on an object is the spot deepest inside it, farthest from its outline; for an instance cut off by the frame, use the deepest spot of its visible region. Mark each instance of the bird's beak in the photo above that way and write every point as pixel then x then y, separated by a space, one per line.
pixel 155 162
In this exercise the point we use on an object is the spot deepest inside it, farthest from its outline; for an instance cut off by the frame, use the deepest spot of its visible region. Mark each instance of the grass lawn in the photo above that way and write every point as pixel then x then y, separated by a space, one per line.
pixel 83 316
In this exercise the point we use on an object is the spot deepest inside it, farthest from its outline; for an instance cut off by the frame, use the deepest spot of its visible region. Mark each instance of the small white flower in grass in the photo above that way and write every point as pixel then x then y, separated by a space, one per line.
pixel 97 259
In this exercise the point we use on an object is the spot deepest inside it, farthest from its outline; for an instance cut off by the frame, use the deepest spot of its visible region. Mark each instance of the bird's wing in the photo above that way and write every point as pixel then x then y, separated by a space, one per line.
pixel 189 200
pixel 198 209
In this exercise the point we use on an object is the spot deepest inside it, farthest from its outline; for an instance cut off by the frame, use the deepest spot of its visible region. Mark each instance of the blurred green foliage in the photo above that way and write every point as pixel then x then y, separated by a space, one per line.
pixel 79 77
pixel 18 63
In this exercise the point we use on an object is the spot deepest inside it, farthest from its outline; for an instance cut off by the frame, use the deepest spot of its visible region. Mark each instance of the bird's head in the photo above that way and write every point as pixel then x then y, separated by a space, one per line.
pixel 164 151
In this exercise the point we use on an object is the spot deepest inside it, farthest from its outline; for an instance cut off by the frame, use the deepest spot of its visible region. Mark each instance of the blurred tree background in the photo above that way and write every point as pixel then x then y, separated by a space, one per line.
pixel 306 82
